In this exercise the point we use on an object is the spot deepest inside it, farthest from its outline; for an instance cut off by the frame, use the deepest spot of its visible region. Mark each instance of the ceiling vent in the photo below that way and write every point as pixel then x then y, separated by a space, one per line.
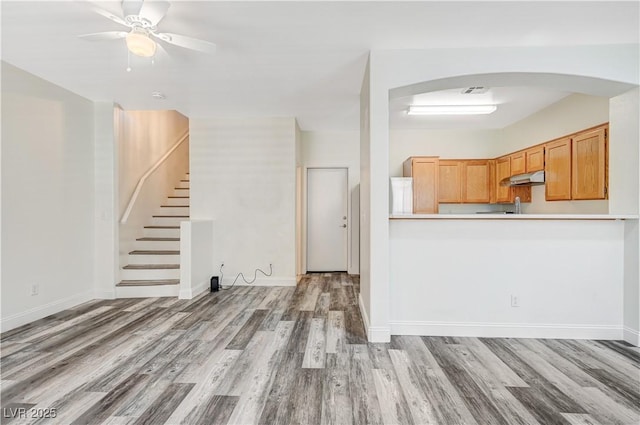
pixel 475 90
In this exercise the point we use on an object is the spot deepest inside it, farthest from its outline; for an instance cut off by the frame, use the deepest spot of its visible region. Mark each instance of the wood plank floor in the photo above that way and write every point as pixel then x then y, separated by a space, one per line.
pixel 257 355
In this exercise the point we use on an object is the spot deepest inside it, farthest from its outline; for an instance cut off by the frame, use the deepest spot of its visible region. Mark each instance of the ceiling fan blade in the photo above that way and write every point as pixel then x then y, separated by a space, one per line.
pixel 108 15
pixel 154 11
pixel 131 7
pixel 186 42
pixel 104 36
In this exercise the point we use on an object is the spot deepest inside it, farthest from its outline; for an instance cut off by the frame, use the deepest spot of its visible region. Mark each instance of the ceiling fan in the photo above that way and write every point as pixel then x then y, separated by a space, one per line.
pixel 142 17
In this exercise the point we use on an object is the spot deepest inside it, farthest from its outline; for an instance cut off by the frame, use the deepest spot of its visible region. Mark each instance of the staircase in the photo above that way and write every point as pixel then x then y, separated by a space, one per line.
pixel 153 267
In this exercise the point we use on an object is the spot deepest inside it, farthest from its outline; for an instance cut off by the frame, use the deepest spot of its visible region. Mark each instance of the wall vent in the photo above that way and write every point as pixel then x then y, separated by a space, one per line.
pixel 475 90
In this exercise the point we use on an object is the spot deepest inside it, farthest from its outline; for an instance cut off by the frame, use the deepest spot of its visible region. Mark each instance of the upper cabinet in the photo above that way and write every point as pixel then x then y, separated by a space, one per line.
pixel 535 158
pixel 450 181
pixel 576 166
pixel 425 173
pixel 503 170
pixel 589 165
pixel 464 181
pixel 558 170
pixel 518 163
pixel 476 181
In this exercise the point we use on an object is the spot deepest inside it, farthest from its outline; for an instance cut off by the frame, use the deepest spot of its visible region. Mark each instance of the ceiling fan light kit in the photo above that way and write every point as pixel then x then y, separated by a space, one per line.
pixel 451 109
pixel 139 43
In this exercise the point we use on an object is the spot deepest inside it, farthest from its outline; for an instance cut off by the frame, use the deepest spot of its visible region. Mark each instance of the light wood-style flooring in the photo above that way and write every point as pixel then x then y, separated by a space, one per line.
pixel 257 355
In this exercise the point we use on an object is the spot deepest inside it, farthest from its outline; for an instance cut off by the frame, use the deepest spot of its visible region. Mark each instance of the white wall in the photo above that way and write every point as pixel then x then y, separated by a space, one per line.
pixel 337 149
pixel 143 138
pixel 447 144
pixel 624 185
pixel 364 298
pixel 243 177
pixel 196 257
pixel 624 151
pixel 446 68
pixel 106 258
pixel 456 277
pixel 47 197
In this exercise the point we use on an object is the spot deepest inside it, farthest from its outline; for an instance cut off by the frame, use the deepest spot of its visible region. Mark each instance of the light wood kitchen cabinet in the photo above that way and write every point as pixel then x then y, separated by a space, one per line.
pixel 476 181
pixel 558 170
pixel 464 181
pixel 535 158
pixel 492 181
pixel 589 164
pixel 425 173
pixel 503 170
pixel 450 181
pixel 518 163
pixel 507 194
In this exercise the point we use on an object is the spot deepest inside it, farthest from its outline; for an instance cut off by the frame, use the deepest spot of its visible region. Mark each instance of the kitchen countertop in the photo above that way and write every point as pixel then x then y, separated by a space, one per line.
pixel 513 216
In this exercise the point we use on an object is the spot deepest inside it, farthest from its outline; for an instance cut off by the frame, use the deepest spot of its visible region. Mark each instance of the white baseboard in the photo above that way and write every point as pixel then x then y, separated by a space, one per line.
pixel 189 293
pixel 374 333
pixel 363 312
pixel 506 330
pixel 632 336
pixel 105 295
pixel 262 281
pixel 37 313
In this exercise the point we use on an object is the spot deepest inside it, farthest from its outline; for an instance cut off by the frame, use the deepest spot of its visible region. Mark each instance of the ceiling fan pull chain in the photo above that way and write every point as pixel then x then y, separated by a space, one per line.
pixel 128 61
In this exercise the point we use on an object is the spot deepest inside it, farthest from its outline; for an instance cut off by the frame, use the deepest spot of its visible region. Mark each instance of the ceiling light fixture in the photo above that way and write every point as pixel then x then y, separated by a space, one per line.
pixel 451 109
pixel 140 44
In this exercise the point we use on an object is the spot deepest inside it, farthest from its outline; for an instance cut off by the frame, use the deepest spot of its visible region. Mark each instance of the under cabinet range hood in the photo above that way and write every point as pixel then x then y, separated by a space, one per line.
pixel 527 179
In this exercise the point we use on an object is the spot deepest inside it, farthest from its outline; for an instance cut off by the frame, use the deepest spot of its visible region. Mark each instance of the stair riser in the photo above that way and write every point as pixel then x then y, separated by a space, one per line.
pixel 181 192
pixel 154 259
pixel 177 201
pixel 172 211
pixel 147 291
pixel 167 221
pixel 162 233
pixel 156 245
pixel 182 184
pixel 127 274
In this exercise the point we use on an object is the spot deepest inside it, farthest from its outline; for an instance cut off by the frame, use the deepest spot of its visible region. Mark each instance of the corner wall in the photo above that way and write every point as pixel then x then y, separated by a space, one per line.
pixel 47 198
pixel 243 177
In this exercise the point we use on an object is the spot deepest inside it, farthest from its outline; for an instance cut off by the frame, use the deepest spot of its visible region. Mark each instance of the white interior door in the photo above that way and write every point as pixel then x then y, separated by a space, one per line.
pixel 327 224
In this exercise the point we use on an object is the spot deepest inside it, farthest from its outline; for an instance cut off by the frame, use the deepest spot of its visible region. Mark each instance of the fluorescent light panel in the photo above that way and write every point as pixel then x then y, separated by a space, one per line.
pixel 451 109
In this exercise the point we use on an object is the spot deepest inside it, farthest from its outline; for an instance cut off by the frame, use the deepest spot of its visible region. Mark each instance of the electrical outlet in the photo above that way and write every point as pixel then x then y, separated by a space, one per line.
pixel 515 301
pixel 35 289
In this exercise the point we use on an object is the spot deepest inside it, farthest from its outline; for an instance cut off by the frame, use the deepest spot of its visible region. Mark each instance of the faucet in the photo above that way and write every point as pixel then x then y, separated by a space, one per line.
pixel 517 204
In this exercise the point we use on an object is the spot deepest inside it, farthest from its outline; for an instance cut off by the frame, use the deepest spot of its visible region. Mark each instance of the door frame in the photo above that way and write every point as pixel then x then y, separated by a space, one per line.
pixel 305 203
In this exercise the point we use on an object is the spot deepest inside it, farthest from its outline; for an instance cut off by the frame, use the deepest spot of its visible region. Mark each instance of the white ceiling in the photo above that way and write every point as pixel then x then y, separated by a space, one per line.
pixel 302 59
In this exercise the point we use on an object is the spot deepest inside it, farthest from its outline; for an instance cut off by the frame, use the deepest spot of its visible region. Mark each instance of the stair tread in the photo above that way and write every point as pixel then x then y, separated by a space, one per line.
pixel 154 252
pixel 174 206
pixel 184 180
pixel 181 188
pixel 165 216
pixel 151 266
pixel 161 227
pixel 154 282
pixel 159 239
pixel 179 197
